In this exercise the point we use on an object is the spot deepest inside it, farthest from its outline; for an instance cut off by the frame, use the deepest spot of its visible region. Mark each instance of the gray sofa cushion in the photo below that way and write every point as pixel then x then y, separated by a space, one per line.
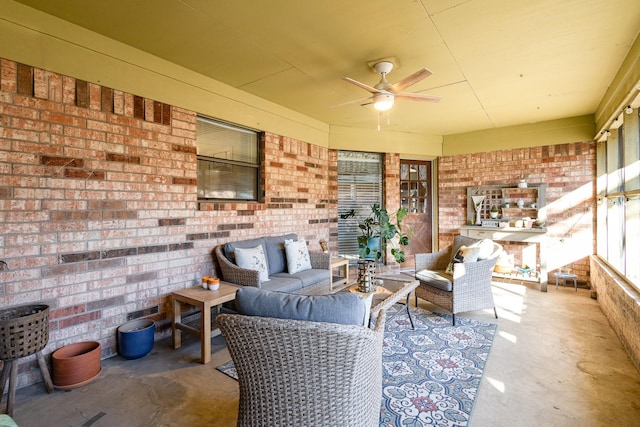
pixel 276 255
pixel 307 277
pixel 343 307
pixel 230 247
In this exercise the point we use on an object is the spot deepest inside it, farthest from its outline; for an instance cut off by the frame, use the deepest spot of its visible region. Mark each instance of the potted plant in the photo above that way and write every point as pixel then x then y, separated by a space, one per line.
pixel 378 228
pixel 493 212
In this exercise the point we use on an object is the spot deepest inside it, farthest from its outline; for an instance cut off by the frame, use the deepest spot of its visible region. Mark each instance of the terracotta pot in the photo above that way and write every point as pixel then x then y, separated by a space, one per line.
pixel 135 338
pixel 76 364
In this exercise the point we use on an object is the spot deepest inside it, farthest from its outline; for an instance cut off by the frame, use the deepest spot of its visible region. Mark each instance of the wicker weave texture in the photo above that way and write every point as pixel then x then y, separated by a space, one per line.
pixel 24 330
pixel 394 298
pixel 233 274
pixel 299 373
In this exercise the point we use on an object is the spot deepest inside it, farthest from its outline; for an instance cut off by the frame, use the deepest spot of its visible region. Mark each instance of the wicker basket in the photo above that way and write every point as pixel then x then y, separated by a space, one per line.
pixel 24 330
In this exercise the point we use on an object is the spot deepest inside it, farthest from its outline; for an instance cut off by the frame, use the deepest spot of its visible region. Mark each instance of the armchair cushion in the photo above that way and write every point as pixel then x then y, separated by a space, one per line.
pixel 438 279
pixel 342 307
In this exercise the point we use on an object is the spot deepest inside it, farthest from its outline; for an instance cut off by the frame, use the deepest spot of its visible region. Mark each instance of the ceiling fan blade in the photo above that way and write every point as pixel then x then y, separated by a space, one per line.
pixel 361 85
pixel 410 80
pixel 353 101
pixel 418 97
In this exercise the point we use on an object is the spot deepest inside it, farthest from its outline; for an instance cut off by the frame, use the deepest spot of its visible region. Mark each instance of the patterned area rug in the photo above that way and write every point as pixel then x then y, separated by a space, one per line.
pixel 431 375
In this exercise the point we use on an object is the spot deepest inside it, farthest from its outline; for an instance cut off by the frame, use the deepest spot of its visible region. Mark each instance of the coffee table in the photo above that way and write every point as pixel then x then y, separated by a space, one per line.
pixel 390 291
pixel 204 300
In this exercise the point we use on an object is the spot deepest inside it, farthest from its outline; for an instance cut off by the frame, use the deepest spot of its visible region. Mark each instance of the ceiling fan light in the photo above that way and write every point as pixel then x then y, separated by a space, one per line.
pixel 383 101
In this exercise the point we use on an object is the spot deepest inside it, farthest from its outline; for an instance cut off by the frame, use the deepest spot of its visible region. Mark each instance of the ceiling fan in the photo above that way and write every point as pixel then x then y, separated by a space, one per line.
pixel 384 93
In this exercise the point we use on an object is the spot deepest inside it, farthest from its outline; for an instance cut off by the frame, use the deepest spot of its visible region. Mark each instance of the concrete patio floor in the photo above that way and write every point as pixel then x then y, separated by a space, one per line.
pixel 555 361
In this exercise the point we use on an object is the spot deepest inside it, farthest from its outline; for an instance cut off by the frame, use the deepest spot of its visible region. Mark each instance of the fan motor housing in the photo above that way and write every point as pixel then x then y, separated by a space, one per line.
pixel 383 67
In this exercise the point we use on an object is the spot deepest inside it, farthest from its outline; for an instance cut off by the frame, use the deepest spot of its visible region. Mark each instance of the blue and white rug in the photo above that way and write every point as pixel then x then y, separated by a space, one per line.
pixel 431 375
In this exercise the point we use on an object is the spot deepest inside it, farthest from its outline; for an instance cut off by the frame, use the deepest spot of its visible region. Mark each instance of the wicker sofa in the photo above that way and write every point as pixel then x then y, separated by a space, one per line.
pixel 310 281
pixel 466 286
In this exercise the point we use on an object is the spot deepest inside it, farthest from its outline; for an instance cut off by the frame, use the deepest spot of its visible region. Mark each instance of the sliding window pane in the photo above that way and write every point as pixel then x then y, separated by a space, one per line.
pixel 226 142
pixel 615 235
pixel 632 242
pixel 218 180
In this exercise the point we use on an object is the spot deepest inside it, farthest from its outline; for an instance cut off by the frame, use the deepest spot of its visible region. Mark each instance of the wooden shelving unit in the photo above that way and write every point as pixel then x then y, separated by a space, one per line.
pixel 501 196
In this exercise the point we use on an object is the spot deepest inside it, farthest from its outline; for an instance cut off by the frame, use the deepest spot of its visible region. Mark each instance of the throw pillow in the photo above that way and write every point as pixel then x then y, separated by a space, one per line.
pixel 342 307
pixel 485 246
pixel 253 259
pixel 297 255
pixel 464 254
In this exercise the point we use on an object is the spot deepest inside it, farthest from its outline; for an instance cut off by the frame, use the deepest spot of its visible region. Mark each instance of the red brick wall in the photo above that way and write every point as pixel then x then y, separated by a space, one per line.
pixel 99 216
pixel 567 170
pixel 391 171
pixel 619 302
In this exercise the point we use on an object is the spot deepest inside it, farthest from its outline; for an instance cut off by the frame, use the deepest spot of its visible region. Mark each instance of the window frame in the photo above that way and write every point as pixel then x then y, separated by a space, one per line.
pixel 617 220
pixel 257 167
pixel 358 190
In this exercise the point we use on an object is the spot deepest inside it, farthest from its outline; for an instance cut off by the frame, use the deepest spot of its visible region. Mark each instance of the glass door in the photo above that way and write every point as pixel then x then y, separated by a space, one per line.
pixel 416 196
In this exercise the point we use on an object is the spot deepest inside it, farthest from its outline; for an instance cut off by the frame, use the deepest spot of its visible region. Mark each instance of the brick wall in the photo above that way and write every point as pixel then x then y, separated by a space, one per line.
pixel 99 216
pixel 567 170
pixel 620 302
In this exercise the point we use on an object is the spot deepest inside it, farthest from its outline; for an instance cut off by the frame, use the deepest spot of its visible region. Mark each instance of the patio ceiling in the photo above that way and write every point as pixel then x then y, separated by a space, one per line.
pixel 495 63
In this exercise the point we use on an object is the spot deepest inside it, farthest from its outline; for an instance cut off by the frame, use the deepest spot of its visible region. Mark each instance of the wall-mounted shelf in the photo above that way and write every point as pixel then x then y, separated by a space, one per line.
pixel 533 199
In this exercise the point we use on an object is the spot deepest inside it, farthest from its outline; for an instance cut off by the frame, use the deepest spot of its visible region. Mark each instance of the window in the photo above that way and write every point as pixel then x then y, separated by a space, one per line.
pixel 228 161
pixel 359 187
pixel 415 179
pixel 618 186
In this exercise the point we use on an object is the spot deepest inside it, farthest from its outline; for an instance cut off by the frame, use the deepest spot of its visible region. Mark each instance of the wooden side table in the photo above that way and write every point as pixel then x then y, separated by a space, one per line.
pixel 204 300
pixel 337 262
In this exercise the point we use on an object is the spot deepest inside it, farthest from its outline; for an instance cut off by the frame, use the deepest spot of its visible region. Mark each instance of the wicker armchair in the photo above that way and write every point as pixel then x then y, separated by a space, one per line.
pixel 302 373
pixel 470 282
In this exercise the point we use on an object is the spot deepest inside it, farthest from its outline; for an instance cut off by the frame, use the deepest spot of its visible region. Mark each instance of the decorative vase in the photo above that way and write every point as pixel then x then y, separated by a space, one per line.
pixel 366 275
pixel 477 204
pixel 373 243
pixel 76 364
pixel 135 338
pixel 493 214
